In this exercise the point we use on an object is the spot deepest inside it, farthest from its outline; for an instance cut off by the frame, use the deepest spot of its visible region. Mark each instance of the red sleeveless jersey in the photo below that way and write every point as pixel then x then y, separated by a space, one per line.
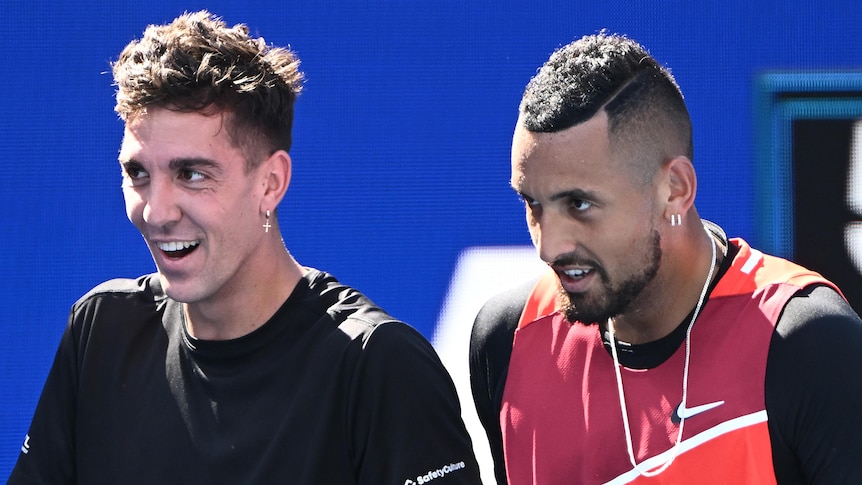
pixel 561 417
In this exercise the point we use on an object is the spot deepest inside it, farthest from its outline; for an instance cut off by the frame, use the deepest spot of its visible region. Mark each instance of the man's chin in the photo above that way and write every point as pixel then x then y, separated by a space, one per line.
pixel 577 310
pixel 175 291
pixel 572 316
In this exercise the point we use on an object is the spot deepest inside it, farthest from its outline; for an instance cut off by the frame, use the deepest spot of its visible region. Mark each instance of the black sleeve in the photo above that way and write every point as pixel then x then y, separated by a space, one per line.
pixel 48 451
pixel 814 390
pixel 490 351
pixel 405 417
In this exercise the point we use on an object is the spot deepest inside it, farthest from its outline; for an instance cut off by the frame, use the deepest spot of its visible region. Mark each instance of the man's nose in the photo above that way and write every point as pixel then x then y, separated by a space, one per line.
pixel 554 235
pixel 161 206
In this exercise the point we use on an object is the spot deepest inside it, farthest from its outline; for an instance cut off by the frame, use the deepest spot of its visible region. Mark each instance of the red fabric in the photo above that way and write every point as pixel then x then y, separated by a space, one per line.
pixel 561 416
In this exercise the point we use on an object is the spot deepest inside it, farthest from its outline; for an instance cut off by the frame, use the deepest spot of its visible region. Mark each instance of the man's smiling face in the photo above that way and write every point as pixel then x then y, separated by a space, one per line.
pixel 189 193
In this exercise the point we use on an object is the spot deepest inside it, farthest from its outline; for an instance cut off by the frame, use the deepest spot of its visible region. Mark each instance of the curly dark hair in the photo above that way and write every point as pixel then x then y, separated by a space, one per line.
pixel 199 63
pixel 644 104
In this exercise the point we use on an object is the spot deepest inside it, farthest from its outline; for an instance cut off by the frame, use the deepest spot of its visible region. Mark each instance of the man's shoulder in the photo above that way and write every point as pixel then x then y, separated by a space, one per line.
pixel 499 316
pixel 356 315
pixel 820 309
pixel 363 321
pixel 750 269
pixel 146 287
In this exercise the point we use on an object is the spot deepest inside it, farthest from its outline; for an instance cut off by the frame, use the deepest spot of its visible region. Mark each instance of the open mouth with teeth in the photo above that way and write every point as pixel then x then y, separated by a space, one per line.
pixel 178 249
pixel 577 274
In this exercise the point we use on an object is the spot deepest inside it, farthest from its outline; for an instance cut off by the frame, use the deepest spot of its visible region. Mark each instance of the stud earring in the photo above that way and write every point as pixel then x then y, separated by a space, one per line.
pixel 675 220
pixel 267 225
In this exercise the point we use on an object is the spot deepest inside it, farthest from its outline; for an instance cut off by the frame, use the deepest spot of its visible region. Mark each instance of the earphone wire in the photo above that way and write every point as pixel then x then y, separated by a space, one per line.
pixel 619 378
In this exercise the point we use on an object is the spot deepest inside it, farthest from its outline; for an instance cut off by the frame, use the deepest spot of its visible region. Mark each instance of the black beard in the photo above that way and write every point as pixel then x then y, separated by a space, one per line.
pixel 577 309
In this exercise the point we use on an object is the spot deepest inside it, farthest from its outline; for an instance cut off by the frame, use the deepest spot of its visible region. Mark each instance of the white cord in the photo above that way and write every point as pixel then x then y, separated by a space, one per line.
pixel 675 452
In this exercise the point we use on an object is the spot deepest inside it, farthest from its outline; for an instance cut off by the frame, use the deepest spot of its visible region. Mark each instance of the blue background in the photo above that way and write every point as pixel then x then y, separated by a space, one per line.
pixel 401 152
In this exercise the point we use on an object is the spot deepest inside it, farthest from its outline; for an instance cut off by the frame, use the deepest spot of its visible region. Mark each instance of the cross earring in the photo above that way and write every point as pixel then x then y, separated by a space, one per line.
pixel 267 225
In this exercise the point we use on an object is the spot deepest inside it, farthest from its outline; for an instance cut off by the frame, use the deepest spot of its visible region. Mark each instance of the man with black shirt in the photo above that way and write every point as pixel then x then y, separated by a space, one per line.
pixel 234 363
pixel 655 346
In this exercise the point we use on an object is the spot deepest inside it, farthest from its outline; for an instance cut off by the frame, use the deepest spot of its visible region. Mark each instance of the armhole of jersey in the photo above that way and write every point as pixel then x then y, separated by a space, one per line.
pixel 542 300
pixel 811 278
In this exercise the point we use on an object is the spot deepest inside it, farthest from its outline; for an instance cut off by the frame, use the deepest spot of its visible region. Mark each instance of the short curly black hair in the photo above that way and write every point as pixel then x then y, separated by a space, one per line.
pixel 611 72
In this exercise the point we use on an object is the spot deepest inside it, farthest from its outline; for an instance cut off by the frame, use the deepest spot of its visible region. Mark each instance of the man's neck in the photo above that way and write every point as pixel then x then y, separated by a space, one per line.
pixel 673 295
pixel 248 305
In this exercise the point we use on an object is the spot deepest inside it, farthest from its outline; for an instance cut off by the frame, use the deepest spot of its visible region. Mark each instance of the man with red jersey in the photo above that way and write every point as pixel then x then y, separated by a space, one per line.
pixel 655 349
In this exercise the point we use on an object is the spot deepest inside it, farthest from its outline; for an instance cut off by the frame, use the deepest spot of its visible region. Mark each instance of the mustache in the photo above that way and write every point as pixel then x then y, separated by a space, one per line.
pixel 577 258
pixel 574 259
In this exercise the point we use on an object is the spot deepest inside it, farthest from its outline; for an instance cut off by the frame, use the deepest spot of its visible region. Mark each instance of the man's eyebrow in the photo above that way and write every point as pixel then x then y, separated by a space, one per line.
pixel 565 194
pixel 193 162
pixel 573 194
pixel 129 163
pixel 180 163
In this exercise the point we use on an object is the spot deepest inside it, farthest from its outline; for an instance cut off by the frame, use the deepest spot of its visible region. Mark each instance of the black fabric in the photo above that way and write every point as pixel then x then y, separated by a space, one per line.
pixel 813 387
pixel 814 390
pixel 490 350
pixel 330 390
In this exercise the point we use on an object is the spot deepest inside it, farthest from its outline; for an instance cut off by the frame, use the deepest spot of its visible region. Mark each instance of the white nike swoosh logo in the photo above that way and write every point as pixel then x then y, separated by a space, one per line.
pixel 684 413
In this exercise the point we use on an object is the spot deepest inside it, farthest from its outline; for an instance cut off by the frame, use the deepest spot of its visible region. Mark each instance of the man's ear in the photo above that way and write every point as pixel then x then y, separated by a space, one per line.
pixel 681 187
pixel 275 174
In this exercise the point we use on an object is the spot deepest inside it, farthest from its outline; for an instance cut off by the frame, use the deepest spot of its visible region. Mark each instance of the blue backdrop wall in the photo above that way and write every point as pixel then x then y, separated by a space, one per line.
pixel 401 138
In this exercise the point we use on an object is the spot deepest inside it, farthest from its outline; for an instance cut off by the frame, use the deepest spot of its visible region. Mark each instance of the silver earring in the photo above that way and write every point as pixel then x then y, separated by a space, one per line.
pixel 267 225
pixel 675 220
